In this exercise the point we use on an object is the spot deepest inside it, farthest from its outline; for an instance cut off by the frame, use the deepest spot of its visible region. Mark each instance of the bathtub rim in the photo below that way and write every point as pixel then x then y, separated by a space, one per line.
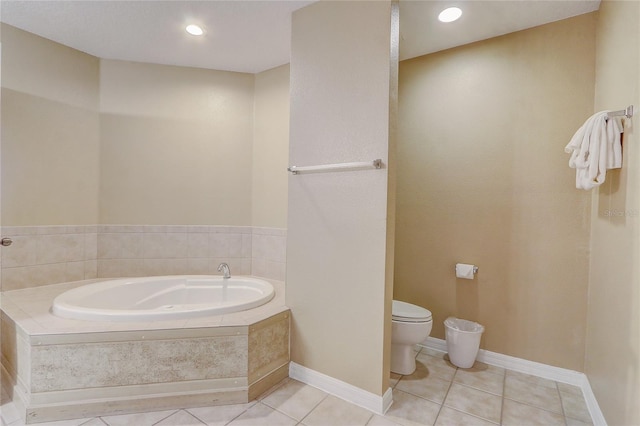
pixel 29 308
pixel 64 309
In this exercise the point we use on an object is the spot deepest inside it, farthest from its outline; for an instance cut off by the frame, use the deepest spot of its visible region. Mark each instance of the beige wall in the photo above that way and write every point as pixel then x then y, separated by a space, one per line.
pixel 337 232
pixel 613 326
pixel 171 145
pixel 50 139
pixel 175 145
pixel 483 179
pixel 270 148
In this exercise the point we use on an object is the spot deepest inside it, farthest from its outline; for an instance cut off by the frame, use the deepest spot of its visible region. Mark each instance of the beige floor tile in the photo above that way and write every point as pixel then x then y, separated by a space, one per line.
pixel 94 422
pixel 450 417
pixel 181 418
pixel 517 414
pixel 410 410
pixel 432 352
pixel 475 402
pixel 295 399
pixel 261 415
pixel 575 406
pixel 575 422
pixel 526 391
pixel 377 420
pixel 481 379
pixel 273 388
pixel 424 386
pixel 137 419
pixel 335 411
pixel 532 380
pixel 566 388
pixel 436 366
pixel 481 366
pixel 221 414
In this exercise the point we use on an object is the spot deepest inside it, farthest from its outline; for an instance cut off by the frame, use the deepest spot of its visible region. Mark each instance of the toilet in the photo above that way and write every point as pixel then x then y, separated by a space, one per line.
pixel 410 325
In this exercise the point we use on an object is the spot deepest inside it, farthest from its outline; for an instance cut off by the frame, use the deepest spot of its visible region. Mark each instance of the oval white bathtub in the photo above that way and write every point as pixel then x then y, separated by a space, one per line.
pixel 162 298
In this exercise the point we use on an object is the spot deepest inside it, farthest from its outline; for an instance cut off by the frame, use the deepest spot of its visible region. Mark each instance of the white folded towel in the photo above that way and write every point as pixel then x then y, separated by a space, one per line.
pixel 595 148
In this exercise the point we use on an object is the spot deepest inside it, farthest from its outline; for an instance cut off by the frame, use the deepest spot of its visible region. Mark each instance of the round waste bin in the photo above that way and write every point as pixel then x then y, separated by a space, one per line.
pixel 463 341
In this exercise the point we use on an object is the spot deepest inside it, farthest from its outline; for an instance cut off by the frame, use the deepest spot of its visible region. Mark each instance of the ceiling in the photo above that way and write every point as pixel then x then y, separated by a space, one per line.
pixel 253 36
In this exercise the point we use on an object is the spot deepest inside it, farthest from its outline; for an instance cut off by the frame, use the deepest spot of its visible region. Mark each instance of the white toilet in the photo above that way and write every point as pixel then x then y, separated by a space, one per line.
pixel 410 325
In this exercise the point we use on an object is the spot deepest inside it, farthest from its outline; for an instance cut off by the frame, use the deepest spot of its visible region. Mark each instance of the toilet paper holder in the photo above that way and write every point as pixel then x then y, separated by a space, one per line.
pixel 475 270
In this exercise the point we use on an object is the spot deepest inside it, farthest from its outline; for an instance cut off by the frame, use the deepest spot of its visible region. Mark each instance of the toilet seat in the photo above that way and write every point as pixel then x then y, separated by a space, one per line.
pixel 406 312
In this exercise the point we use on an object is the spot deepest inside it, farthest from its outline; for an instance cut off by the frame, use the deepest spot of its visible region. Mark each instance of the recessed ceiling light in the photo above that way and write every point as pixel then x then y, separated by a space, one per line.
pixel 450 14
pixel 194 30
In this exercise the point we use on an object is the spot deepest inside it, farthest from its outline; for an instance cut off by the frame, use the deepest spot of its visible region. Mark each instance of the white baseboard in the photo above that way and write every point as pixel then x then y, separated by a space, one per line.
pixel 355 395
pixel 545 371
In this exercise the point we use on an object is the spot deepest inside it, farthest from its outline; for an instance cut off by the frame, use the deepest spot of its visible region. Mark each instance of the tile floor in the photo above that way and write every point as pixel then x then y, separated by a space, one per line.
pixel 438 393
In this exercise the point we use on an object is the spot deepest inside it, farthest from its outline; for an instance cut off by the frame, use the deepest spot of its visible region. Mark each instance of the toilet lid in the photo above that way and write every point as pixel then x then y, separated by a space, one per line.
pixel 403 311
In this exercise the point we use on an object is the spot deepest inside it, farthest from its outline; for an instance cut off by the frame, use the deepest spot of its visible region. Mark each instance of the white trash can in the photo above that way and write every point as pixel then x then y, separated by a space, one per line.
pixel 463 341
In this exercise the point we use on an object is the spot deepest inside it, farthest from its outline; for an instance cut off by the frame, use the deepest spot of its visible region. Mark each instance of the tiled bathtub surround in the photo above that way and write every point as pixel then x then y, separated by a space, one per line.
pixel 269 251
pixel 42 255
pixel 134 251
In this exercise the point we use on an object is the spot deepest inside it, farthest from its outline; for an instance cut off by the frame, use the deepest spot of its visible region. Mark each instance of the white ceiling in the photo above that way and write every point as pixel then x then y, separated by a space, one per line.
pixel 252 36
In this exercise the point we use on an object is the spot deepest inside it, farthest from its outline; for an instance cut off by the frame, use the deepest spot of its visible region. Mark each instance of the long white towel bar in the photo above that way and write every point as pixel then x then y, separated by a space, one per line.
pixel 338 167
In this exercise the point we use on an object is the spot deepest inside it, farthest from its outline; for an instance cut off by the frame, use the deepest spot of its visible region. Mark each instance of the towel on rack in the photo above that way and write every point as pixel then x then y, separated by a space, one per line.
pixel 595 148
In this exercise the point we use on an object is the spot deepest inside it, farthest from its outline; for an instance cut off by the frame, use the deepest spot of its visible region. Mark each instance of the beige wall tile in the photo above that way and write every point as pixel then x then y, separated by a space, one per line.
pixel 165 245
pixel 219 245
pixel 198 244
pixel 22 252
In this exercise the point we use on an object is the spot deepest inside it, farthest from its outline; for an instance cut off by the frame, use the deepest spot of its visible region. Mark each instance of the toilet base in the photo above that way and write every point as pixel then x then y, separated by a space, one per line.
pixel 403 359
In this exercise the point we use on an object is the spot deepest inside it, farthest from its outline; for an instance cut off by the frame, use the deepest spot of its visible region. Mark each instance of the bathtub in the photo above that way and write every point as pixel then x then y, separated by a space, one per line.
pixel 162 298
pixel 59 368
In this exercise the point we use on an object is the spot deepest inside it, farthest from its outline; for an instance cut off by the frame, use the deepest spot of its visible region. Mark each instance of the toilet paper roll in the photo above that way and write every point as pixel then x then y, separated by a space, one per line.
pixel 465 271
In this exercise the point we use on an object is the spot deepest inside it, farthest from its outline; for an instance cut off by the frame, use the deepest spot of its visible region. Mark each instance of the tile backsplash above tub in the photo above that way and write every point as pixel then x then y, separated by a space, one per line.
pixel 42 255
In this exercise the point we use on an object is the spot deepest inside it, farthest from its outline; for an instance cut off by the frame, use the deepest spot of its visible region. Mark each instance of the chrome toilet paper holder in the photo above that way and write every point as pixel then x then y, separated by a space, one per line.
pixel 475 270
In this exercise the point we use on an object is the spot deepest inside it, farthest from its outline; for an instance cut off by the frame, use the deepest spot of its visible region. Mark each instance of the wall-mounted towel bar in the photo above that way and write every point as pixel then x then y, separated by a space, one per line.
pixel 628 112
pixel 338 167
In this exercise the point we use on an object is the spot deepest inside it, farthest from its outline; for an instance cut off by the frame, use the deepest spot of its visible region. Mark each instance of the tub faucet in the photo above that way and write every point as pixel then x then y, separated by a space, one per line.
pixel 226 272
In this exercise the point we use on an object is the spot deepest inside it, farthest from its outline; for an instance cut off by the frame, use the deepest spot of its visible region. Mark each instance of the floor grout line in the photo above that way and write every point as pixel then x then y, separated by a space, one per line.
pixel 504 388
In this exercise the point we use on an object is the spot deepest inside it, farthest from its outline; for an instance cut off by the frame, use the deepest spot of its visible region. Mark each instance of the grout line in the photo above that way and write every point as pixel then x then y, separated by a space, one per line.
pixel 504 388
pixel 534 406
pixel 278 411
pixel 316 406
pixel 165 418
pixel 564 415
pixel 446 393
pixel 472 415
